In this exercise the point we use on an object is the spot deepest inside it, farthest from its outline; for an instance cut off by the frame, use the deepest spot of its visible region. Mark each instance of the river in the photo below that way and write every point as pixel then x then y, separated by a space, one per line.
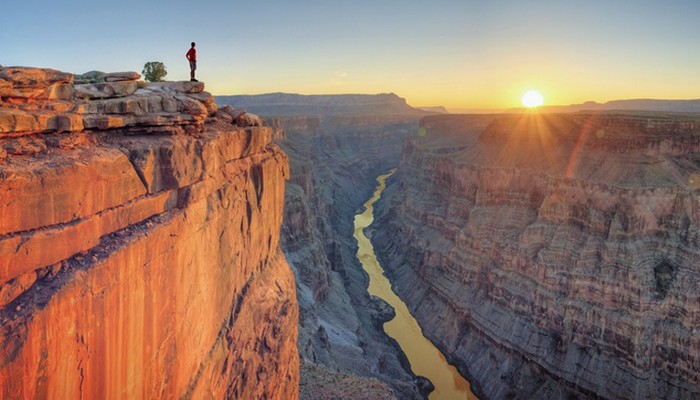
pixel 425 359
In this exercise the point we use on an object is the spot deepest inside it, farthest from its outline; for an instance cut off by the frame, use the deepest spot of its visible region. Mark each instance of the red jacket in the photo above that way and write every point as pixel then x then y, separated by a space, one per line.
pixel 192 55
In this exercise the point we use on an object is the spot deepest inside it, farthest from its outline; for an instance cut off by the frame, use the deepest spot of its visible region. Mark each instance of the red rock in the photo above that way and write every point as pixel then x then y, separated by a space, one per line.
pixel 5 88
pixel 248 119
pixel 142 266
pixel 62 187
pixel 30 251
pixel 190 265
pixel 34 77
pixel 11 290
pixel 35 83
pixel 165 163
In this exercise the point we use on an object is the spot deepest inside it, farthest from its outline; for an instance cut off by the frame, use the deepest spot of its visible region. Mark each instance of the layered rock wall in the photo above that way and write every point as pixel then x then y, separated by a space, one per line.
pixel 139 243
pixel 553 256
pixel 334 161
pixel 331 172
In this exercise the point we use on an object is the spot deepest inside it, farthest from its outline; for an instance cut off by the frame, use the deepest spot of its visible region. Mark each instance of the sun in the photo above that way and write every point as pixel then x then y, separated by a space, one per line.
pixel 532 98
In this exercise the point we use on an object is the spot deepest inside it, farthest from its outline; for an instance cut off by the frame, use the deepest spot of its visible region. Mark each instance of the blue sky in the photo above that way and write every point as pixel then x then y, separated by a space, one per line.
pixel 471 54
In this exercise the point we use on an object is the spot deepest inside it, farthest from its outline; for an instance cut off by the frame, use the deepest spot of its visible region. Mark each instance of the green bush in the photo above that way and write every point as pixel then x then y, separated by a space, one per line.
pixel 154 71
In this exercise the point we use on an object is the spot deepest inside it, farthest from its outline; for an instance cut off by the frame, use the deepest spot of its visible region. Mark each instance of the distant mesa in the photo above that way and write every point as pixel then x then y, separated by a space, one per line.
pixel 287 104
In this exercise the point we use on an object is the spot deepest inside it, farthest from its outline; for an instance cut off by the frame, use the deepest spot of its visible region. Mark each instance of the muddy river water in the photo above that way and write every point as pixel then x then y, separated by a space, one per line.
pixel 425 359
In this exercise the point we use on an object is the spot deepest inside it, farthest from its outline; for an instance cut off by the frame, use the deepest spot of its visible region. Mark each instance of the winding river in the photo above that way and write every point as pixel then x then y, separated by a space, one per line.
pixel 425 359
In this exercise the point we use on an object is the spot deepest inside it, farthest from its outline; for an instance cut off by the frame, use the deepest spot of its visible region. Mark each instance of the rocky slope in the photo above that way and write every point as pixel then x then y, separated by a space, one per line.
pixel 139 243
pixel 553 256
pixel 334 160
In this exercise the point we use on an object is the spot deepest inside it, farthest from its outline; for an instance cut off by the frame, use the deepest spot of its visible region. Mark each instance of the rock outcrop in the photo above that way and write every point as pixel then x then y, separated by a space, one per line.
pixel 139 244
pixel 553 256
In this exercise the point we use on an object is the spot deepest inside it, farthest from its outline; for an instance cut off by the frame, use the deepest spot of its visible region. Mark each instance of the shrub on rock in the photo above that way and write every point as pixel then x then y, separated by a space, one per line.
pixel 154 71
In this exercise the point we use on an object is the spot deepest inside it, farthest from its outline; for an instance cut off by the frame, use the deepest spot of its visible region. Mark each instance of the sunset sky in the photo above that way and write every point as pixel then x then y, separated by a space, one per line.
pixel 455 53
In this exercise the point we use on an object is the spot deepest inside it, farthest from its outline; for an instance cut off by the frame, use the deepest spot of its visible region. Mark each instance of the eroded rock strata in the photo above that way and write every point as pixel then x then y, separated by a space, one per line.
pixel 337 145
pixel 139 243
pixel 331 176
pixel 553 256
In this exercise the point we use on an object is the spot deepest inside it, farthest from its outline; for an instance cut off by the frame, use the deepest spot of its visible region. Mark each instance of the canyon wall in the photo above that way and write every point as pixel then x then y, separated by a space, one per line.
pixel 337 145
pixel 139 243
pixel 332 171
pixel 553 256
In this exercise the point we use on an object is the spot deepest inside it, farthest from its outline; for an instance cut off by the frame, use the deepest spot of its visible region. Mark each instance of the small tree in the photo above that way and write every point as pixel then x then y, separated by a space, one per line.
pixel 154 71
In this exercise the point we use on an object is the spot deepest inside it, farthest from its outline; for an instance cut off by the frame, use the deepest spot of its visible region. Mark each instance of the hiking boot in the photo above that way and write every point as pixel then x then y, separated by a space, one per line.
pixel 193 80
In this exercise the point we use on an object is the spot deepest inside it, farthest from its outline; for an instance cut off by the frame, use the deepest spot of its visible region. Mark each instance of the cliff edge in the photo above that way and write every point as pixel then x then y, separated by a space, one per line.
pixel 139 243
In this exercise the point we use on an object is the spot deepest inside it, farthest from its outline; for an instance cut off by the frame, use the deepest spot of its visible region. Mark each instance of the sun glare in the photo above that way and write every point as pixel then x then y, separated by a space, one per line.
pixel 532 98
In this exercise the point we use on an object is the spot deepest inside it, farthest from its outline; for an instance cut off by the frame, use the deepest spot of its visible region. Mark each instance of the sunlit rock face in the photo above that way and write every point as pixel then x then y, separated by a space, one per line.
pixel 139 244
pixel 553 255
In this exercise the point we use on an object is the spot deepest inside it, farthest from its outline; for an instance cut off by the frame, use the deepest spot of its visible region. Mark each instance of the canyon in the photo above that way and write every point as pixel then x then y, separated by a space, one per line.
pixel 139 234
pixel 552 255
pixel 159 242
pixel 337 145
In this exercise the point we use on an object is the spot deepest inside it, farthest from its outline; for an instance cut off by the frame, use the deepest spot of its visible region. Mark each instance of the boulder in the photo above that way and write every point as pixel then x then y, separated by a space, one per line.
pixel 122 76
pixel 207 99
pixel 424 385
pixel 105 90
pixel 233 112
pixel 248 119
pixel 220 115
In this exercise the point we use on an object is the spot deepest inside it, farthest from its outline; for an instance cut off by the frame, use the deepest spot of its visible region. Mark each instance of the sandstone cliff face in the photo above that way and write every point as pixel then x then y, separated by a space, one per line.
pixel 139 243
pixel 554 255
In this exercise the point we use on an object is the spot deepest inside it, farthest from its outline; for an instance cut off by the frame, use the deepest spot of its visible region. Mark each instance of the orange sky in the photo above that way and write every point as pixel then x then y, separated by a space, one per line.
pixel 455 53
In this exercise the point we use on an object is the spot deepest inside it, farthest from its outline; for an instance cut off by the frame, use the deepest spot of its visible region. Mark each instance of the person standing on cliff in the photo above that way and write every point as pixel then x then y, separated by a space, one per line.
pixel 192 58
